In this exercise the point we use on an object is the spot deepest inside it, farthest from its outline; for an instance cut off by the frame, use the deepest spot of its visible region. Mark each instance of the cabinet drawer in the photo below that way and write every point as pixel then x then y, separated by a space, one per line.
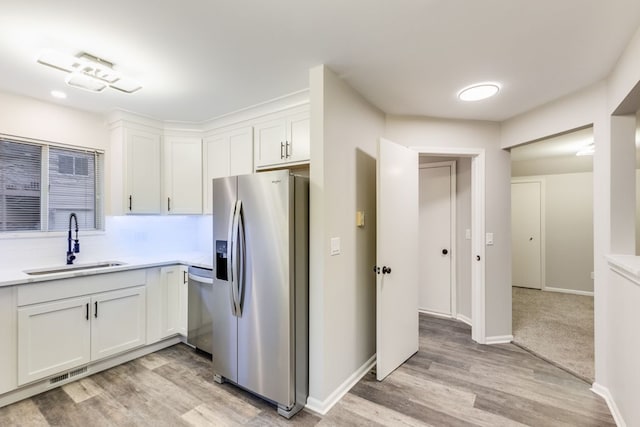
pixel 35 293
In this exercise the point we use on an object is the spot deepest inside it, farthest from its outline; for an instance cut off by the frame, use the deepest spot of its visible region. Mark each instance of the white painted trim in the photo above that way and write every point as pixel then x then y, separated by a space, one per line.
pixel 543 226
pixel 628 266
pixel 568 291
pixel 453 226
pixel 436 314
pixel 499 339
pixel 604 392
pixel 464 319
pixel 323 406
pixel 478 230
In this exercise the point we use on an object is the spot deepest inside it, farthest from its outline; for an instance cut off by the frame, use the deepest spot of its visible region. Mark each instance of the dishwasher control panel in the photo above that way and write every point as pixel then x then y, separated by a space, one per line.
pixel 221 260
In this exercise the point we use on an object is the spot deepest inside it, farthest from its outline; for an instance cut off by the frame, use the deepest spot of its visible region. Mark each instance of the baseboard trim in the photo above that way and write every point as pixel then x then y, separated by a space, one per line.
pixel 435 313
pixel 498 339
pixel 464 319
pixel 323 406
pixel 568 291
pixel 606 395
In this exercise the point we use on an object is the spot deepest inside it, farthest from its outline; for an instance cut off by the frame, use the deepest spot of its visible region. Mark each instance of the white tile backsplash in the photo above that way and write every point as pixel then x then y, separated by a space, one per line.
pixel 124 236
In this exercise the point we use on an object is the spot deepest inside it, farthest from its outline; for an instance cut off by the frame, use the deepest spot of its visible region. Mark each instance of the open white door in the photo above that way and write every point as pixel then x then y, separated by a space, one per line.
pixel 397 256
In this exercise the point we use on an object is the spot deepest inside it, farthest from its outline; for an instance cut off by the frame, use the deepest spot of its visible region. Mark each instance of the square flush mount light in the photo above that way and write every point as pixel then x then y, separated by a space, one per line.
pixel 89 72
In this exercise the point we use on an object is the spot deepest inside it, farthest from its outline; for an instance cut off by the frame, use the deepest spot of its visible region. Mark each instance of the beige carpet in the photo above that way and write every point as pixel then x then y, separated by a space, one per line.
pixel 558 327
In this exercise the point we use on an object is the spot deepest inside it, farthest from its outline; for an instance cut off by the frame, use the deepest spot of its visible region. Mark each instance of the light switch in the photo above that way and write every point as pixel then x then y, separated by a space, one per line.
pixel 335 246
pixel 360 219
pixel 467 234
pixel 489 239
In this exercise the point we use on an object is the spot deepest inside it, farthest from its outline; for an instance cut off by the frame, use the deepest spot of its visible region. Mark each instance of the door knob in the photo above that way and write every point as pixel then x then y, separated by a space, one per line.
pixel 386 270
pixel 444 252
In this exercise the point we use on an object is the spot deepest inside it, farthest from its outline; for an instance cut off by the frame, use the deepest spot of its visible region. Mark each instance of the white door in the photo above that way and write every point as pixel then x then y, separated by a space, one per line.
pixel 183 175
pixel 435 239
pixel 526 234
pixel 396 257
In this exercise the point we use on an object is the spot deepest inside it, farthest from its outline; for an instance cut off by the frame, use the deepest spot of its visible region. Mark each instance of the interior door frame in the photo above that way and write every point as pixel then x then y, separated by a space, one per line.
pixel 541 181
pixel 452 230
pixel 478 294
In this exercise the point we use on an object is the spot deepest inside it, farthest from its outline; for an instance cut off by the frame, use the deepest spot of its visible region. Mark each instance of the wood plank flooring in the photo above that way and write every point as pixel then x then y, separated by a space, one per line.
pixel 451 381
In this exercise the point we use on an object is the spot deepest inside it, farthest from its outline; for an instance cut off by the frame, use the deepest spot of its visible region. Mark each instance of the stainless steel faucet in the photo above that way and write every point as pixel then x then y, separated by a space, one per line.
pixel 76 241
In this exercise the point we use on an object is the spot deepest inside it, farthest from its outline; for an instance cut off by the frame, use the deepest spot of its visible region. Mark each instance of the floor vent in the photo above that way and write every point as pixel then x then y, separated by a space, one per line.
pixel 59 378
pixel 67 375
pixel 78 371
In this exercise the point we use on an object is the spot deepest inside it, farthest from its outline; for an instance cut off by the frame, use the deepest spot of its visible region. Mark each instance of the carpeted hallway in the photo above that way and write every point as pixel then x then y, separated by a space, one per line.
pixel 556 326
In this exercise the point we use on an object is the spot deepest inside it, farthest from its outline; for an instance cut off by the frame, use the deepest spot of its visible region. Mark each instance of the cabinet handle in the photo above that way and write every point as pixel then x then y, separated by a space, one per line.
pixel 281 150
pixel 287 151
pixel 169 204
pixel 184 277
pixel 86 316
pixel 95 314
pixel 130 198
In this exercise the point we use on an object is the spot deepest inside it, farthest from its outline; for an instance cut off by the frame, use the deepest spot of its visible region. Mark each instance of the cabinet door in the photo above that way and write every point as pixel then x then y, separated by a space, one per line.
pixel 270 143
pixel 298 138
pixel 183 175
pixel 118 321
pixel 241 152
pixel 226 154
pixel 174 282
pixel 142 181
pixel 53 337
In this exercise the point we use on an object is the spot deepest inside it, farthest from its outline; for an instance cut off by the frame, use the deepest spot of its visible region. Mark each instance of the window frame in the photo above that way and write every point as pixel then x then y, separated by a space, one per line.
pixel 44 188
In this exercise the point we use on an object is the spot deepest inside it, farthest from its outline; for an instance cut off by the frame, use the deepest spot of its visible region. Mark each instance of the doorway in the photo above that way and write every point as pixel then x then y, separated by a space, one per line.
pixel 552 250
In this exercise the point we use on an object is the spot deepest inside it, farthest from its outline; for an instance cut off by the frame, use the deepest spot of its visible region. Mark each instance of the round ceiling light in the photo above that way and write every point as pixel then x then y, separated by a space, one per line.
pixel 478 91
pixel 58 94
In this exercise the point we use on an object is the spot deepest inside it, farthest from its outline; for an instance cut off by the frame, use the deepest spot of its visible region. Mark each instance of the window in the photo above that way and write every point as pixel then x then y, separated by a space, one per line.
pixel 41 185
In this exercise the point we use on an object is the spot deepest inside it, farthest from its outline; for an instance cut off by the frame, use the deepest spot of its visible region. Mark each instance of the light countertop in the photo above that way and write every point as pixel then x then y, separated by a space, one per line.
pixel 17 276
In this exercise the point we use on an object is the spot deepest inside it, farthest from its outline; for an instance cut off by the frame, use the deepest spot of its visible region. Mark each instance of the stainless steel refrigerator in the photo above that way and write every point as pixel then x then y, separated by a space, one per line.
pixel 260 288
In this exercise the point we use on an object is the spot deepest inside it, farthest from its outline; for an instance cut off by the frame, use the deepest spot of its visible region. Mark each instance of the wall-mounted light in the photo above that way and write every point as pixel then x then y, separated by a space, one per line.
pixel 89 72
pixel 479 91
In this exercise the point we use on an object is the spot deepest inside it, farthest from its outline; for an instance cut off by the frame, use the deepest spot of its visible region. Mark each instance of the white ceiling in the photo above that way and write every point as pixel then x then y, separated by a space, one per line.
pixel 199 59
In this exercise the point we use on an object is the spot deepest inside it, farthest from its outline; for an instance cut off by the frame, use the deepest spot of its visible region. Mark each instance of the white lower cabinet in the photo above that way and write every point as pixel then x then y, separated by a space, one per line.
pixel 57 336
pixel 118 322
pixel 174 300
pixel 53 337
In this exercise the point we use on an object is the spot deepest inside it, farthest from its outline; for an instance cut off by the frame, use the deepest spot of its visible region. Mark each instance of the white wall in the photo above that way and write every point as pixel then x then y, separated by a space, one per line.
pixel 431 132
pixel 344 132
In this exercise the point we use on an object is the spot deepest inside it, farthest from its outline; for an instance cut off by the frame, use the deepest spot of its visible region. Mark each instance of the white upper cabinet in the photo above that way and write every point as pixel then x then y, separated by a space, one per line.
pixel 182 175
pixel 142 173
pixel 282 141
pixel 226 154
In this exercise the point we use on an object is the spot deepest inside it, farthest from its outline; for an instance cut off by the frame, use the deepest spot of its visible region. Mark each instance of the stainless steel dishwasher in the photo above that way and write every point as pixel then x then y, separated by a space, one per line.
pixel 200 303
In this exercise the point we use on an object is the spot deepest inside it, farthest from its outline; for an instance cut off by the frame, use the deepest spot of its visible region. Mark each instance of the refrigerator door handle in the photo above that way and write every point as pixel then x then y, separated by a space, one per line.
pixel 231 256
pixel 235 282
pixel 242 255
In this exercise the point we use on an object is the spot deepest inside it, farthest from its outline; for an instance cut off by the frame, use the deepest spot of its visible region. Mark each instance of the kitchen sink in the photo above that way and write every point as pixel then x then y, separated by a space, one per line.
pixel 69 268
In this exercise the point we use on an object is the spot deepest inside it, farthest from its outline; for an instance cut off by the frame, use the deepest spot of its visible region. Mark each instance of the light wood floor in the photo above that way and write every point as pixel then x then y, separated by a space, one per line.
pixel 450 382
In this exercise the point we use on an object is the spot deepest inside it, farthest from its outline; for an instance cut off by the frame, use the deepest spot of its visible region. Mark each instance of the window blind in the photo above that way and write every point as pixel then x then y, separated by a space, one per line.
pixel 73 186
pixel 20 178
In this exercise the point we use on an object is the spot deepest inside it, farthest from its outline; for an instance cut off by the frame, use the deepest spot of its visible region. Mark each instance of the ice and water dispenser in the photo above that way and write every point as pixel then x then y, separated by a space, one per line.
pixel 221 260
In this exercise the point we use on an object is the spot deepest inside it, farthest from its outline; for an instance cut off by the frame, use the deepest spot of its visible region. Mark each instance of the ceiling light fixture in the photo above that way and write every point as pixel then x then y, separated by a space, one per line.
pixel 89 72
pixel 479 91
pixel 58 94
